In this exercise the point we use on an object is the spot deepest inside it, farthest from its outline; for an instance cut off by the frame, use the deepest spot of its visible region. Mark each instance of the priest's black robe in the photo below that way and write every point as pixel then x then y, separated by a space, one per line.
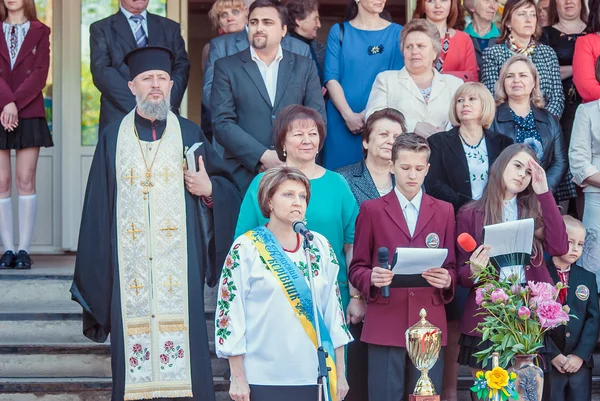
pixel 209 236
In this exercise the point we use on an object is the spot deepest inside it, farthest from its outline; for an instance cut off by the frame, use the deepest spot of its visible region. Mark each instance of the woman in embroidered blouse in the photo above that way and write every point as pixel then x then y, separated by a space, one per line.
pixel 520 34
pixel 418 91
pixel 358 49
pixel 521 116
pixel 258 329
pixel 23 71
pixel 458 55
pixel 517 189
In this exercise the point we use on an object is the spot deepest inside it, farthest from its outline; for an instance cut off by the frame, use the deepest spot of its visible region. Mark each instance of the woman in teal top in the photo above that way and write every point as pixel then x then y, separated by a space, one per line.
pixel 299 133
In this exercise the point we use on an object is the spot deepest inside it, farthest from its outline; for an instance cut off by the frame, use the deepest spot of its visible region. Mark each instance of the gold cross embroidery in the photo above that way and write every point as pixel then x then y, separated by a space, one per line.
pixel 133 231
pixel 136 286
pixel 168 228
pixel 130 177
pixel 170 284
pixel 166 174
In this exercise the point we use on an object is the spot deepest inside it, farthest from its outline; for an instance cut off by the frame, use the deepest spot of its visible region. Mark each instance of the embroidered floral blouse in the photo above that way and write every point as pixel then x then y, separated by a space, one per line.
pixel 255 319
pixel 527 133
pixel 14 39
pixel 478 163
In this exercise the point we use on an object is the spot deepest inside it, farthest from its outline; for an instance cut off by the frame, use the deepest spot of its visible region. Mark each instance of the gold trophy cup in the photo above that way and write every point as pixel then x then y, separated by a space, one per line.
pixel 423 343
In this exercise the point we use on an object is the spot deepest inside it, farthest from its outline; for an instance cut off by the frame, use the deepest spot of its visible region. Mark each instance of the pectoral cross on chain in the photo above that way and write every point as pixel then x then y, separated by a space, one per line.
pixel 147 184
pixel 170 284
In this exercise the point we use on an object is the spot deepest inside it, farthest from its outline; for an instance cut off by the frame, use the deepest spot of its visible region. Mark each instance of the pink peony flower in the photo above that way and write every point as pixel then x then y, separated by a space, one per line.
pixel 164 359
pixel 479 295
pixel 225 294
pixel 551 314
pixel 489 288
pixel 524 313
pixel 137 348
pixel 133 362
pixel 542 292
pixel 499 296
pixel 180 354
pixel 147 355
pixel 168 345
pixel 516 289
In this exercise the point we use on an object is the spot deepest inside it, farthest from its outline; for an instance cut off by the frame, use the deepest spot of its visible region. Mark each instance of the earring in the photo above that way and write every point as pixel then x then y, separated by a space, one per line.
pixel 284 153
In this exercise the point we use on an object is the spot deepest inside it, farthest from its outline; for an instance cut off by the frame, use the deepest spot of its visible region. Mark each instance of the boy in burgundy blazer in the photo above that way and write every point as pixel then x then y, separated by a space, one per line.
pixel 406 217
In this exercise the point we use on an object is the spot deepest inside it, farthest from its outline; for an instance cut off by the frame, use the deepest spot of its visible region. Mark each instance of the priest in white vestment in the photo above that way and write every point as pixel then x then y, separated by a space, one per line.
pixel 264 322
pixel 148 243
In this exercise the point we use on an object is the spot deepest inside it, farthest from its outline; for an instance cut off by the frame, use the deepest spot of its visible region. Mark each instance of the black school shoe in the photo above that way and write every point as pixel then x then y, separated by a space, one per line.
pixel 23 260
pixel 8 260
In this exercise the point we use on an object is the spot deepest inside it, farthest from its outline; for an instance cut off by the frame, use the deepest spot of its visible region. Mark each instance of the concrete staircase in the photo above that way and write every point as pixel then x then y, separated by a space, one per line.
pixel 43 355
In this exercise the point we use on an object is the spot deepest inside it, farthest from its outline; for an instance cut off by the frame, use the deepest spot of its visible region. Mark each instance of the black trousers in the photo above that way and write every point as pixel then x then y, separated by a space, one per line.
pixel 281 393
pixel 570 386
pixel 392 376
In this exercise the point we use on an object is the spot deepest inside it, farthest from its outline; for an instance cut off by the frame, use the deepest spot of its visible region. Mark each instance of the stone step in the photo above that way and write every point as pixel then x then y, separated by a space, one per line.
pixel 52 285
pixel 72 389
pixel 68 360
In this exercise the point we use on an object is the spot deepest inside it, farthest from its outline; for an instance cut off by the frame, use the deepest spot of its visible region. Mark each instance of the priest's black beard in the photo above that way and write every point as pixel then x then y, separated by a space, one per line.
pixel 154 111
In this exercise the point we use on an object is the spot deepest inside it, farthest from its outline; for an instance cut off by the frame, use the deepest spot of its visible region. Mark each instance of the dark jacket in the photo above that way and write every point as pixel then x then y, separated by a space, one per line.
pixel 24 83
pixel 110 40
pixel 479 52
pixel 360 181
pixel 448 177
pixel 580 335
pixel 554 160
pixel 242 113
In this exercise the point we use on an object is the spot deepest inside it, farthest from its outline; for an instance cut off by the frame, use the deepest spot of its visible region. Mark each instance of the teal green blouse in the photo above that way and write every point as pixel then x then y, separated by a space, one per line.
pixel 331 212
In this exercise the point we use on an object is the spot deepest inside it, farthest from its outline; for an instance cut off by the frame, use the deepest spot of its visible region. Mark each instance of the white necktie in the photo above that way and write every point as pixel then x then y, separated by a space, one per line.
pixel 411 214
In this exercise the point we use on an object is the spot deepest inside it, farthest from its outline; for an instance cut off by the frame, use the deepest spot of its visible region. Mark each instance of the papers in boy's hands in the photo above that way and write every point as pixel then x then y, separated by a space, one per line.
pixel 192 155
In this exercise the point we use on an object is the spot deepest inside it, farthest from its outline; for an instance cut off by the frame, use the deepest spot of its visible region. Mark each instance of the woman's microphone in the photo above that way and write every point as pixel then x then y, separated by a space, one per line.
pixel 301 229
pixel 466 242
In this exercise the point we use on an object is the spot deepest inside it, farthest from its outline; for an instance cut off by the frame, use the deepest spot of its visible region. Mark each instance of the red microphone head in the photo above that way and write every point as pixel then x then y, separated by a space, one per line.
pixel 466 242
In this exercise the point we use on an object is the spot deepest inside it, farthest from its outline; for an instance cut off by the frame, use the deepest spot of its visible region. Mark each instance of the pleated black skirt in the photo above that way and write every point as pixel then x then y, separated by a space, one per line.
pixel 30 133
pixel 281 393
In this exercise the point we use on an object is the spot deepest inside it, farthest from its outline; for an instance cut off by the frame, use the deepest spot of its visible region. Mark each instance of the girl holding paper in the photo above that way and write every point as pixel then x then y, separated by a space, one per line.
pixel 517 188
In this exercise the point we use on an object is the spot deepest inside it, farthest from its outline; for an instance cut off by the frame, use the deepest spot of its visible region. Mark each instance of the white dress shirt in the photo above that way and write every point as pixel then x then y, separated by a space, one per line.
pixel 510 212
pixel 133 24
pixel 21 31
pixel 410 209
pixel 269 73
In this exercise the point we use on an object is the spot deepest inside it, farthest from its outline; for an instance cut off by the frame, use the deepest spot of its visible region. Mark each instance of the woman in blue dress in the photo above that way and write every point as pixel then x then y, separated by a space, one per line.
pixel 357 50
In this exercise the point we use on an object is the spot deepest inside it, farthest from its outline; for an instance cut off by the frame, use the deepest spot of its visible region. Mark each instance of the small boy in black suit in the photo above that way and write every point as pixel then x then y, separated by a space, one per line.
pixel 572 346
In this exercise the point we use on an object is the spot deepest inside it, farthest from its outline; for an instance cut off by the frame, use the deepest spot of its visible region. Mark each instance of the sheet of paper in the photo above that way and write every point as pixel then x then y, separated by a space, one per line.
pixel 511 244
pixel 418 260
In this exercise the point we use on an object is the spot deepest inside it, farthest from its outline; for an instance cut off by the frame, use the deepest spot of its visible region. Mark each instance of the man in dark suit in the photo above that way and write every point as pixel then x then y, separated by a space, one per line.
pixel 408 218
pixel 228 45
pixel 252 86
pixel 572 346
pixel 113 37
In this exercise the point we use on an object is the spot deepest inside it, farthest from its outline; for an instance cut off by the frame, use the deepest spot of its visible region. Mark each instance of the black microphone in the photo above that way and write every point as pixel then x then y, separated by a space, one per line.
pixel 301 229
pixel 383 259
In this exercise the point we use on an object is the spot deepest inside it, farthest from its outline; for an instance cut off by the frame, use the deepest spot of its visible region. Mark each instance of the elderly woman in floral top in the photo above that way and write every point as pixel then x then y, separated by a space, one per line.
pixel 521 116
pixel 264 322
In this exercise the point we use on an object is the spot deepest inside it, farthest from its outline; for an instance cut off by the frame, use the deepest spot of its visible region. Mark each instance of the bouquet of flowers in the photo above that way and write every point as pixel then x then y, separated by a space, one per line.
pixel 495 384
pixel 516 316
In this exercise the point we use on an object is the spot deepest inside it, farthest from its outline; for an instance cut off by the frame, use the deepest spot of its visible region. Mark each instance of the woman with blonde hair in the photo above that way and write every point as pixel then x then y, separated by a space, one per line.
pixel 226 16
pixel 418 90
pixel 521 116
pixel 458 173
pixel 520 34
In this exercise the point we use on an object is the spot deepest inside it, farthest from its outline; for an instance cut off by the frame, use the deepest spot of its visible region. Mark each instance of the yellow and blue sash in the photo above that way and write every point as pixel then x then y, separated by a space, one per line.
pixel 297 292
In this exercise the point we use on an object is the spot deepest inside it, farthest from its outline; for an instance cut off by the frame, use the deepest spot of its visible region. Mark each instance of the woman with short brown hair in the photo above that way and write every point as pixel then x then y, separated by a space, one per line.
pixel 520 34
pixel 265 297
